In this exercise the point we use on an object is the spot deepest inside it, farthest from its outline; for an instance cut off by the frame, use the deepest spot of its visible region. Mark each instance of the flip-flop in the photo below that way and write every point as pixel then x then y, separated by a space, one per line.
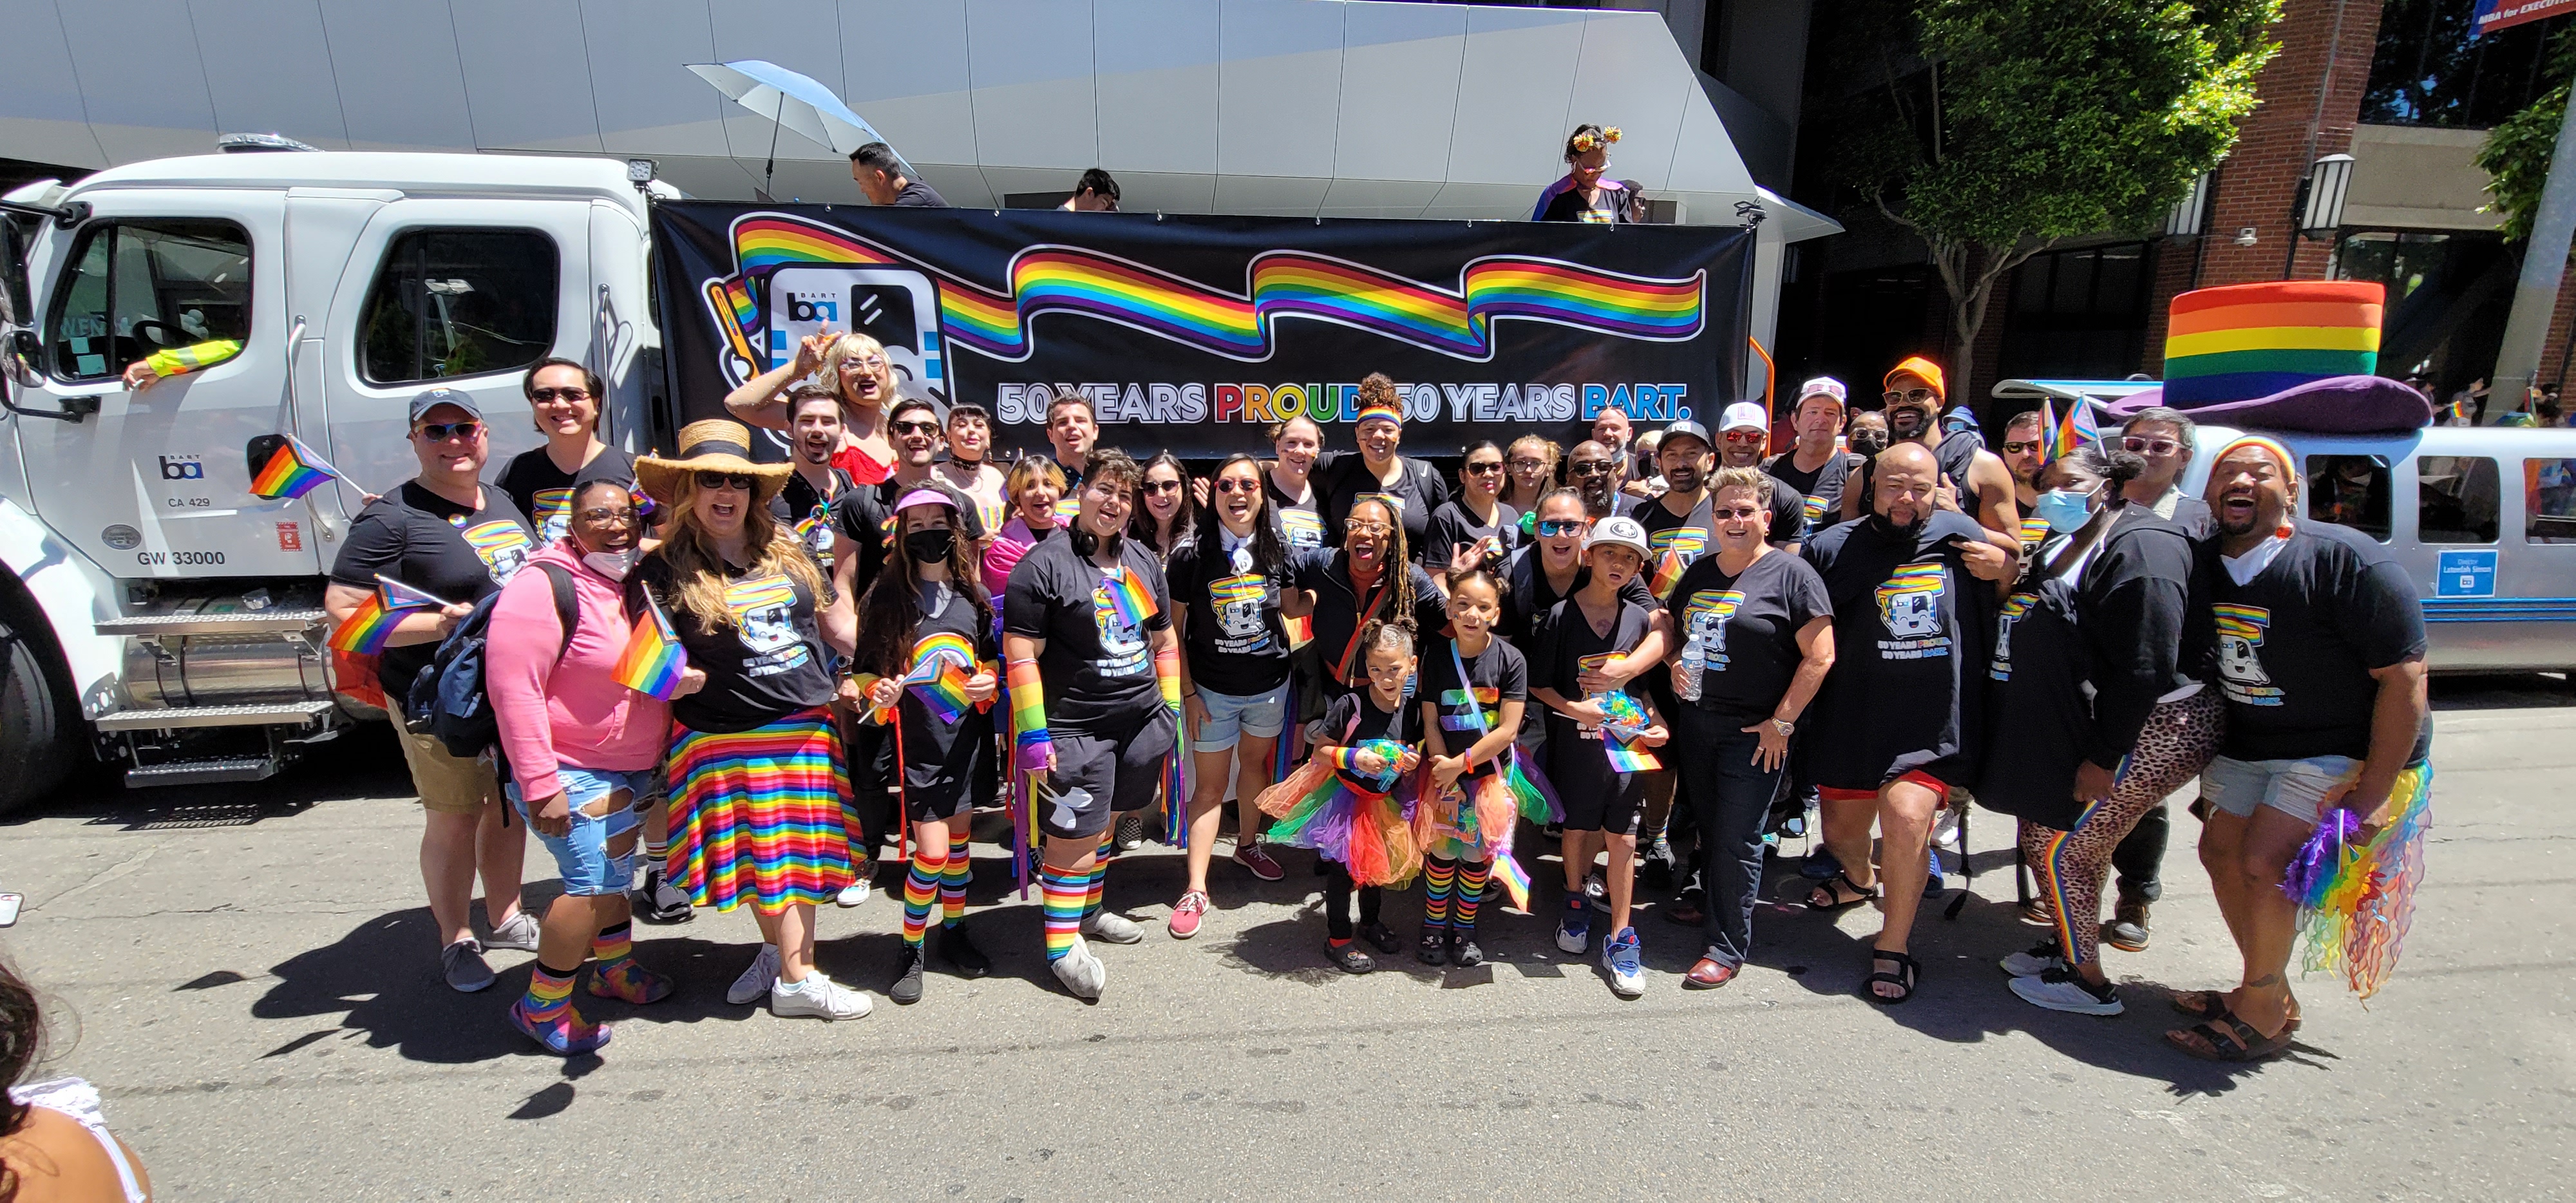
pixel 2231 1039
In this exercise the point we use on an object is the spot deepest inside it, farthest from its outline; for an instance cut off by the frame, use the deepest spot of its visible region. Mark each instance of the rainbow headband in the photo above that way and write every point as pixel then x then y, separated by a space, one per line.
pixel 1063 279
pixel 1382 411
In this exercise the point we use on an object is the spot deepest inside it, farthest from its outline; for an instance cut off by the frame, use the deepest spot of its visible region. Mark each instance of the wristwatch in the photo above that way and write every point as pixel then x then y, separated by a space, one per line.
pixel 1784 727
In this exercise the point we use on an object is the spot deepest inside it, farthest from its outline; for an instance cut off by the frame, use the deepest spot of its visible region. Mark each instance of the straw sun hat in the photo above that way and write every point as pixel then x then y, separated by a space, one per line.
pixel 712 445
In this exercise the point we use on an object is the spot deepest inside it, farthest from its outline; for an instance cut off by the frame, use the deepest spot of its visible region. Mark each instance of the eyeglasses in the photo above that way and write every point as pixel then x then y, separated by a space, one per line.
pixel 549 394
pixel 1379 529
pixel 725 480
pixel 2017 447
pixel 1744 436
pixel 864 361
pixel 608 517
pixel 440 432
pixel 1561 526
pixel 1490 468
pixel 2146 446
pixel 1236 484
pixel 1741 513
pixel 1527 464
pixel 1156 488
pixel 1913 396
pixel 916 428
pixel 1592 467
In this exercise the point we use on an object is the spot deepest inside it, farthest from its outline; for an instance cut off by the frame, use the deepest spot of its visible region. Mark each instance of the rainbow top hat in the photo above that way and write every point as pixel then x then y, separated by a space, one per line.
pixel 2250 341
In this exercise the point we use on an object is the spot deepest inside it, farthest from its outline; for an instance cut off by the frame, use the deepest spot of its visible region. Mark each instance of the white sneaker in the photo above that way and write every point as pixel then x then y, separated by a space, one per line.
pixel 1945 828
pixel 1081 972
pixel 2059 990
pixel 854 893
pixel 2037 959
pixel 517 935
pixel 1111 927
pixel 756 980
pixel 818 997
pixel 1620 955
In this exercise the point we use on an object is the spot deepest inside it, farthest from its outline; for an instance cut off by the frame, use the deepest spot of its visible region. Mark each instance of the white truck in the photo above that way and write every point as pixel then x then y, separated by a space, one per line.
pixel 159 617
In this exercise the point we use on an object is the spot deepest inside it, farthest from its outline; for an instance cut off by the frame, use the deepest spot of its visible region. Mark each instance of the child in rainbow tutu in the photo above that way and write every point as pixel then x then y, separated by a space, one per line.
pixel 1352 800
pixel 1473 689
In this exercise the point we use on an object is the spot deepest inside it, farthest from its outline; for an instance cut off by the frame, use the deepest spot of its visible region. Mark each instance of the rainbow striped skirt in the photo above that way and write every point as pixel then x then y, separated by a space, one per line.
pixel 756 815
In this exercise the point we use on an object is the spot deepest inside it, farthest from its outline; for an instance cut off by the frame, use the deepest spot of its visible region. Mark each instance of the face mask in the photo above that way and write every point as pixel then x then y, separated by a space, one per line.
pixel 930 546
pixel 2064 510
pixel 613 564
pixel 1869 444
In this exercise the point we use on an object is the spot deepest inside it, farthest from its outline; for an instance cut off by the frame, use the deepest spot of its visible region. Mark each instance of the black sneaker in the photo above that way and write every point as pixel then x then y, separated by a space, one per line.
pixel 1433 948
pixel 1463 952
pixel 1657 872
pixel 907 983
pixel 1380 936
pixel 658 901
pixel 956 948
pixel 1348 958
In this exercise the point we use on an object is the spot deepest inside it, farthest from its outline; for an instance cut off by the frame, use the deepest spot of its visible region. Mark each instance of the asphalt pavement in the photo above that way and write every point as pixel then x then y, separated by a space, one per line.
pixel 248 973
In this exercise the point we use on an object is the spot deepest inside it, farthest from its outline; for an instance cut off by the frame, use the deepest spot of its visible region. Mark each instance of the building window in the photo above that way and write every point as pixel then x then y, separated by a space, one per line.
pixel 449 303
pixel 2455 499
pixel 2428 70
pixel 2549 500
pixel 135 287
pixel 2349 490
pixel 2448 297
pixel 2077 315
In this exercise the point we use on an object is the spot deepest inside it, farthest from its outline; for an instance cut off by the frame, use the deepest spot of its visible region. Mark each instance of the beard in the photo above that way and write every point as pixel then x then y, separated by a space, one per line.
pixel 1907 423
pixel 1686 480
pixel 1910 530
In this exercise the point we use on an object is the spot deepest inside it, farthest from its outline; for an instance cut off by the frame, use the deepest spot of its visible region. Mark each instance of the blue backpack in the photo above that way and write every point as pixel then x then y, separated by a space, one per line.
pixel 447 701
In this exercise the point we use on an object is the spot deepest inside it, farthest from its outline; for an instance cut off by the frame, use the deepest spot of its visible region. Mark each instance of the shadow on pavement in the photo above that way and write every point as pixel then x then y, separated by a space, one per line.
pixel 363 763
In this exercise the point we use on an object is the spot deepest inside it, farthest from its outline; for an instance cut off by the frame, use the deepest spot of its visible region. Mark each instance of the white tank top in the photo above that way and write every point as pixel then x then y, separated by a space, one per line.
pixel 78 1100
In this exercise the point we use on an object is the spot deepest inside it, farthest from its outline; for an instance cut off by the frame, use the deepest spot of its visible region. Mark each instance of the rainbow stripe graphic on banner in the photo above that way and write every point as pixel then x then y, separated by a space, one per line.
pixel 2252 340
pixel 653 659
pixel 1126 594
pixel 1912 578
pixel 374 621
pixel 941 664
pixel 1059 279
pixel 291 473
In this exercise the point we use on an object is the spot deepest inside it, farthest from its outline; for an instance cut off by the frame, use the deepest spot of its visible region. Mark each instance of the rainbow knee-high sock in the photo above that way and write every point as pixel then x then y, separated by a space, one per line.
pixel 549 997
pixel 1061 893
pixel 953 882
pixel 921 890
pixel 613 945
pixel 1471 890
pixel 1099 875
pixel 1439 876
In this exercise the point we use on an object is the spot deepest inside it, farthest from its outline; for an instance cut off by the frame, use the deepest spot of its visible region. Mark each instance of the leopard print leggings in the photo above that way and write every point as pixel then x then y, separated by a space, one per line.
pixel 2175 744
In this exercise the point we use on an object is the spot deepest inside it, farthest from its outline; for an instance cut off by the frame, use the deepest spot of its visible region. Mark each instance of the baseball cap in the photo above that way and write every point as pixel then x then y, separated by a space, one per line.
pixel 1744 415
pixel 1619 531
pixel 1687 429
pixel 1823 386
pixel 429 399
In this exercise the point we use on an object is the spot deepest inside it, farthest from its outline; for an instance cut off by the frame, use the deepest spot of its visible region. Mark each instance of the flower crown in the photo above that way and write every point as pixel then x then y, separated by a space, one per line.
pixel 1585 143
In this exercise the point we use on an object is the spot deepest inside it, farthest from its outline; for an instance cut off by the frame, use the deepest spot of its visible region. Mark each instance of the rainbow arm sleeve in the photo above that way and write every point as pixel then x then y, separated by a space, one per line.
pixel 1028 715
pixel 1339 757
pixel 1167 674
pixel 177 360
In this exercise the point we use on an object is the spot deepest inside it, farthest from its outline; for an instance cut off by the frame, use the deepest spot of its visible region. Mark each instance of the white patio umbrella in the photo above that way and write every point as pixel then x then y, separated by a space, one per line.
pixel 794 101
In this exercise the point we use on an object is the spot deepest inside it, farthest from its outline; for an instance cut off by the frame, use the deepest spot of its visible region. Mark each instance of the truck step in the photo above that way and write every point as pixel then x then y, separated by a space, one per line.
pixel 241 622
pixel 274 714
pixel 202 772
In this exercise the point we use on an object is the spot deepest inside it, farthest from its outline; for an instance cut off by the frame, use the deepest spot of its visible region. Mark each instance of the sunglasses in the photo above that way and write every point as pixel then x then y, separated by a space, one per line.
pixel 1913 396
pixel 1485 469
pixel 1592 467
pixel 1526 464
pixel 1741 513
pixel 2017 447
pixel 1378 529
pixel 1561 526
pixel 725 480
pixel 549 394
pixel 1156 488
pixel 1236 484
pixel 1743 436
pixel 916 428
pixel 2145 446
pixel 864 361
pixel 440 432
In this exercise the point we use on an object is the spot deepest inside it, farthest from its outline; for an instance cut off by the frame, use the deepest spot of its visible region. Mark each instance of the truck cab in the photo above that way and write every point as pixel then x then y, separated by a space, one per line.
pixel 158 613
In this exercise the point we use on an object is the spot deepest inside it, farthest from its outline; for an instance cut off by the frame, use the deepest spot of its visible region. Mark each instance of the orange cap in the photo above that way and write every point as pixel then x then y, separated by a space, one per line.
pixel 1916 365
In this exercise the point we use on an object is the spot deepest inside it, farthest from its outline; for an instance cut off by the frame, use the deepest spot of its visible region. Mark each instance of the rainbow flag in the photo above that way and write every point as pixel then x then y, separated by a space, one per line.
pixel 2047 430
pixel 373 623
pixel 1127 596
pixel 941 664
pixel 291 473
pixel 1626 720
pixel 1673 563
pixel 653 660
pixel 2077 430
pixel 2253 340
pixel 1515 879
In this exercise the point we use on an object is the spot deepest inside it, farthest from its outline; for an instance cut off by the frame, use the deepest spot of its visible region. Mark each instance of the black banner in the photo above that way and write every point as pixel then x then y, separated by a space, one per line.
pixel 1194 333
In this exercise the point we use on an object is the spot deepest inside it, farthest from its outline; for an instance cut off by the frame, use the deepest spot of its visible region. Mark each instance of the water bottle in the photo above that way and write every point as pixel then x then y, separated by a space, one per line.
pixel 1686 680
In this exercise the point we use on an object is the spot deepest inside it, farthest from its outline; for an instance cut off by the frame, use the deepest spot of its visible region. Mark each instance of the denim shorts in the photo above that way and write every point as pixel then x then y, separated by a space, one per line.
pixel 1229 718
pixel 2296 788
pixel 581 855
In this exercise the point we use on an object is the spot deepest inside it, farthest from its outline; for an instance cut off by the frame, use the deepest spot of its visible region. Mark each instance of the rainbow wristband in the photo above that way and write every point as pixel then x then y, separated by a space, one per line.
pixel 866 682
pixel 1167 674
pixel 189 359
pixel 1028 716
pixel 1341 758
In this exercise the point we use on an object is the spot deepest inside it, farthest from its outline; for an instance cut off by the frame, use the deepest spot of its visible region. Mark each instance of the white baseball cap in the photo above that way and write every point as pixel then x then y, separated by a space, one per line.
pixel 1744 415
pixel 1619 531
pixel 1824 386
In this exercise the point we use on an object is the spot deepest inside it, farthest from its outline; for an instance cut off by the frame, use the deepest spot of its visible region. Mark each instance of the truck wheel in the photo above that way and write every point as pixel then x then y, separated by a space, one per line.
pixel 36 749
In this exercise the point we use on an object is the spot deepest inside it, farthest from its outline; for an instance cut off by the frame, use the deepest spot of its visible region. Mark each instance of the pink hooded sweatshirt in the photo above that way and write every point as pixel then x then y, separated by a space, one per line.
pixel 569 711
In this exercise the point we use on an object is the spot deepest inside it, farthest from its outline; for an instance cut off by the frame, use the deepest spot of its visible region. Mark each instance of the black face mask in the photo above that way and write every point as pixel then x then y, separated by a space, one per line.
pixel 1869 444
pixel 930 546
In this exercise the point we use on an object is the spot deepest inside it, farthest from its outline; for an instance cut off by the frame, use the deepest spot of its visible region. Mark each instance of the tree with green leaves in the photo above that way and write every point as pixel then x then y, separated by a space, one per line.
pixel 1993 129
pixel 2516 154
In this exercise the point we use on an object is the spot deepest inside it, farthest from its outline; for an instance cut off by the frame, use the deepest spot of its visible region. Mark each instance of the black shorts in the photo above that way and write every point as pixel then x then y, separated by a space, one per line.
pixel 1106 767
pixel 1596 797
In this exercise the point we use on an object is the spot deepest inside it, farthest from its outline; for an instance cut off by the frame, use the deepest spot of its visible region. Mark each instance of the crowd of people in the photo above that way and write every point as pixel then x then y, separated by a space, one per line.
pixel 1646 653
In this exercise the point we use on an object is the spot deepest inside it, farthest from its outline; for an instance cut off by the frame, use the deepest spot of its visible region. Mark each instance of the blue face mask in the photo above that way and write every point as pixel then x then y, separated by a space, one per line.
pixel 2064 510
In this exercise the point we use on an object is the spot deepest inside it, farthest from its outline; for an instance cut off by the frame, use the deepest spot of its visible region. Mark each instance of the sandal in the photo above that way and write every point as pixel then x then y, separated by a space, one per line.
pixel 2228 1038
pixel 1834 901
pixel 2209 1005
pixel 1911 973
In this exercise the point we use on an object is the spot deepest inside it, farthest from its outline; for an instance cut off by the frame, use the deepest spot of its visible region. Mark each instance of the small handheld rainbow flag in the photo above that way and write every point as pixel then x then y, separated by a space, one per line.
pixel 1128 597
pixel 653 660
pixel 374 621
pixel 1515 879
pixel 291 473
pixel 2047 430
pixel 1627 720
pixel 941 664
pixel 2077 430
